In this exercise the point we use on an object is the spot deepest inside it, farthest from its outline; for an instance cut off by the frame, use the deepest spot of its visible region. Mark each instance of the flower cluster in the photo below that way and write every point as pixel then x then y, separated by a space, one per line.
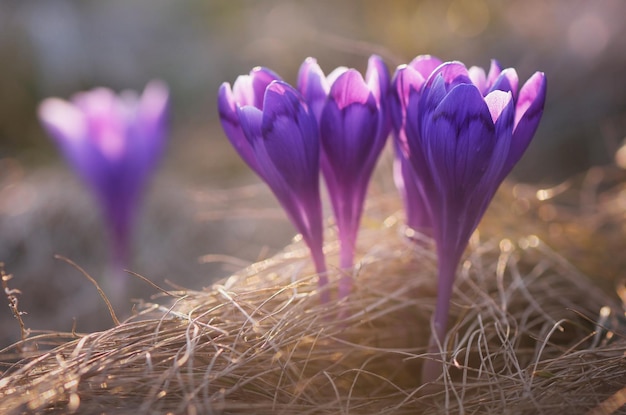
pixel 457 133
pixel 460 131
pixel 336 124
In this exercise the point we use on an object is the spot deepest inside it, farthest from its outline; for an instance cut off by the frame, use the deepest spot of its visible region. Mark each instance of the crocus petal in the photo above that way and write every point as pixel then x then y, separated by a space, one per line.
pixel 261 78
pixel 496 102
pixel 250 89
pixel 107 121
pixel 453 73
pixel 336 73
pixel 459 138
pixel 443 79
pixel 494 72
pixel 530 104
pixel 313 85
pixel 154 101
pixel 283 137
pixel 68 126
pixel 507 81
pixel 349 89
pixel 148 124
pixel 478 77
pixel 425 64
pixel 66 123
pixel 290 136
pixel 230 120
pixel 407 84
pixel 252 125
pixel 243 93
pixel 502 104
pixel 531 99
pixel 250 121
pixel 377 78
pixel 495 79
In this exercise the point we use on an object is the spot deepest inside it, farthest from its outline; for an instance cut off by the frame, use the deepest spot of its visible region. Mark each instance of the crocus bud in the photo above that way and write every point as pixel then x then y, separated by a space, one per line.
pixel 113 142
pixel 407 82
pixel 464 134
pixel 354 124
pixel 282 146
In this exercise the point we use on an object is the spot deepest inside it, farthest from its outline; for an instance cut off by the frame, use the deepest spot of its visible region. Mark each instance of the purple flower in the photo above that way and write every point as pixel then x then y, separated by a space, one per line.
pixel 354 124
pixel 247 90
pixel 113 142
pixel 465 131
pixel 407 82
pixel 276 134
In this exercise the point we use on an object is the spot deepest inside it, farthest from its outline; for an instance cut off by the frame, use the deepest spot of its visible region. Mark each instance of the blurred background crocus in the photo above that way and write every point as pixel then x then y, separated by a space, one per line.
pixel 354 124
pixel 113 141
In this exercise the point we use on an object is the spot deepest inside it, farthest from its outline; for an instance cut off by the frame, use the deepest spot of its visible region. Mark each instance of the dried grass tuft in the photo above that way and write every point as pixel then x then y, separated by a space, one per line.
pixel 524 339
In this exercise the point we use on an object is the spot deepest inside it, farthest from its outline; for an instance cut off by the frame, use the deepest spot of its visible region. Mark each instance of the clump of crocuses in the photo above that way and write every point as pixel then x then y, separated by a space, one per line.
pixel 113 142
pixel 354 125
pixel 337 124
pixel 457 133
pixel 462 131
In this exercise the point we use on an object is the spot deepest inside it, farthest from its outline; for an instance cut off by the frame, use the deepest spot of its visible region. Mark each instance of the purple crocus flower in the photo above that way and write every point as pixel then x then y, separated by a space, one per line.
pixel 113 142
pixel 407 82
pixel 274 131
pixel 354 125
pixel 465 132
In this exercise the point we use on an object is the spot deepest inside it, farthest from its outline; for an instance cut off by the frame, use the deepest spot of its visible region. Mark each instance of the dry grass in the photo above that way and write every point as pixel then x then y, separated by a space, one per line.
pixel 524 339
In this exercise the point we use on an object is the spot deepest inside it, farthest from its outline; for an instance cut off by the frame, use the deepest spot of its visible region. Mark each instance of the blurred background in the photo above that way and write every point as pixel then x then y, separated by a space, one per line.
pixel 198 224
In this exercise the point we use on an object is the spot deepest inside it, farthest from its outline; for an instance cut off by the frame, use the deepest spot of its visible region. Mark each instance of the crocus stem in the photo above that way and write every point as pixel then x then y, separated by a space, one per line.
pixel 322 274
pixel 346 263
pixel 116 280
pixel 447 272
